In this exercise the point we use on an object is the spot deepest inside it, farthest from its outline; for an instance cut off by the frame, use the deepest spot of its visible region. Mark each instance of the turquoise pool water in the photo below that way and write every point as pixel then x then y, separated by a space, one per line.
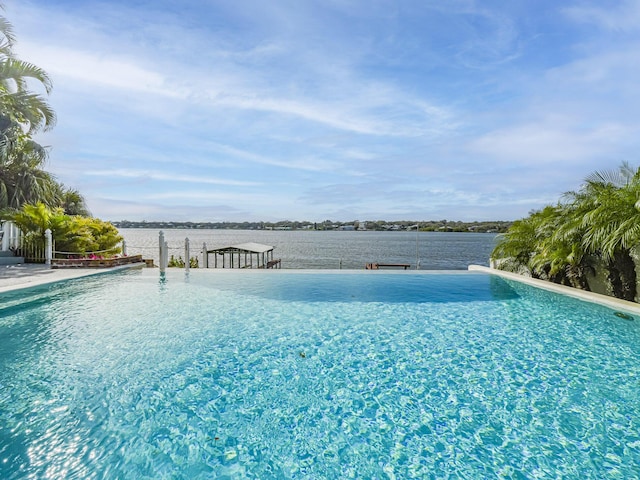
pixel 314 375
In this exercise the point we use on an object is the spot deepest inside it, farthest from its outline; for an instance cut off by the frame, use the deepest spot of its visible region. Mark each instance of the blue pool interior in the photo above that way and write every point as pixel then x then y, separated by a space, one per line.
pixel 314 375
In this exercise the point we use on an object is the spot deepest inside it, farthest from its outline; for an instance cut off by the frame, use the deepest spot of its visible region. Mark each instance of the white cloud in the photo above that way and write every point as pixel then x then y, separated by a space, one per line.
pixel 546 143
pixel 97 69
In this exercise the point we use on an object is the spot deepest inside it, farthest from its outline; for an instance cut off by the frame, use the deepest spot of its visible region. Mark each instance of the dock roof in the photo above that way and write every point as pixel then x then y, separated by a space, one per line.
pixel 249 247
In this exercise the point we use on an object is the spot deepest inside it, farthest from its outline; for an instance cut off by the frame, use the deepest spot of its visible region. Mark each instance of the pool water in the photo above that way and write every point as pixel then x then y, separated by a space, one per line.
pixel 314 375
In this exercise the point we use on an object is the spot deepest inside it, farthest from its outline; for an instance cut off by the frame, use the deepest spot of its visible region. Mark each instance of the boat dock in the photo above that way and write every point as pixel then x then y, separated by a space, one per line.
pixel 242 256
pixel 377 266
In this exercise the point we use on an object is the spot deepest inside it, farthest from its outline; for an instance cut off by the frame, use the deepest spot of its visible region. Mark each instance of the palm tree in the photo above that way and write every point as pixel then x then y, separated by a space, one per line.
pixel 22 179
pixel 552 257
pixel 601 220
pixel 71 233
pixel 530 245
pixel 20 109
pixel 611 224
pixel 72 202
pixel 36 218
pixel 22 113
pixel 516 246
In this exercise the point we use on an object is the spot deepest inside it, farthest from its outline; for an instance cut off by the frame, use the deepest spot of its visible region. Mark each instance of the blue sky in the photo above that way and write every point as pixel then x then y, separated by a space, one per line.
pixel 214 110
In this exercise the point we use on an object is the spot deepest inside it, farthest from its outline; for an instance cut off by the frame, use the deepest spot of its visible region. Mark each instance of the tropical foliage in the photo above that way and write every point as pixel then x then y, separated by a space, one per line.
pixel 71 233
pixel 596 225
pixel 179 262
pixel 72 202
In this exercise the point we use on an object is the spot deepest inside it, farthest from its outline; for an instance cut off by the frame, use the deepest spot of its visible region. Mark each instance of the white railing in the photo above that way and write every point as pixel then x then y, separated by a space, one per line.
pixel 32 249
pixel 11 237
pixel 163 255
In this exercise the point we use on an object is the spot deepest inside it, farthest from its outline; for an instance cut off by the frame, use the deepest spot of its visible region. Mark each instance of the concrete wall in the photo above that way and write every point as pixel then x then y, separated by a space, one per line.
pixel 598 283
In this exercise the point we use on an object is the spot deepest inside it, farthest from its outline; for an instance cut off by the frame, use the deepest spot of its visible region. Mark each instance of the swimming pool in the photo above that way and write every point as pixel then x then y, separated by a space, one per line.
pixel 314 375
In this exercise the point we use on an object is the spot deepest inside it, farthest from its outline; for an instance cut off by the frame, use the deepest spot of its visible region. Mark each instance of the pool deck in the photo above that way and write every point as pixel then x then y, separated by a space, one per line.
pixel 15 277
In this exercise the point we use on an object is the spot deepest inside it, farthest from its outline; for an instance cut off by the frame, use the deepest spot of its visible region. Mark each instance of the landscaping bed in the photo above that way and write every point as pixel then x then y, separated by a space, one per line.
pixel 95 262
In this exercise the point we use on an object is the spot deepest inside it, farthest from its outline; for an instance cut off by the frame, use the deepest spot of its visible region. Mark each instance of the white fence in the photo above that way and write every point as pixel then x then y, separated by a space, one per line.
pixel 11 237
pixel 12 240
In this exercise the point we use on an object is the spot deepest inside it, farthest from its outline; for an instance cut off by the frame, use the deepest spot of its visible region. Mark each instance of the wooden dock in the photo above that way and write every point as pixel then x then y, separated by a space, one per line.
pixel 377 266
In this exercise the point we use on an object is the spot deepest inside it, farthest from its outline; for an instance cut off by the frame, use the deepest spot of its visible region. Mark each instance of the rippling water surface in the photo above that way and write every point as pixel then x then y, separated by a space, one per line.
pixel 263 374
pixel 331 249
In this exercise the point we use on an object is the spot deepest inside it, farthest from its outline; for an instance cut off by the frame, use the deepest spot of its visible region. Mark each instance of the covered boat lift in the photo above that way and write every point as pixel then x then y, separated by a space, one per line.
pixel 242 256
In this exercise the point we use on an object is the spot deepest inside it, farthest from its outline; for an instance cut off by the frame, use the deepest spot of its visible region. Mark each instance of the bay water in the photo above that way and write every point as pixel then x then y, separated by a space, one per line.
pixel 303 249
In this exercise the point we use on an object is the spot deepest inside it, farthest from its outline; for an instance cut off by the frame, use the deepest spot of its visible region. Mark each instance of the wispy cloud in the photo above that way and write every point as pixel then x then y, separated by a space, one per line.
pixel 169 177
pixel 98 70
pixel 546 144
pixel 625 16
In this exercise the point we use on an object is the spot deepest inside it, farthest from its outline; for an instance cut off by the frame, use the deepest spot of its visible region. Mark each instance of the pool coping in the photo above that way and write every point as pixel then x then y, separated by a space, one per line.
pixel 22 276
pixel 591 297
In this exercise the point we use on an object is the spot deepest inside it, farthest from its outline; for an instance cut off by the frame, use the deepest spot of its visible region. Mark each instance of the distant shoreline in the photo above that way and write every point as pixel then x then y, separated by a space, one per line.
pixel 378 226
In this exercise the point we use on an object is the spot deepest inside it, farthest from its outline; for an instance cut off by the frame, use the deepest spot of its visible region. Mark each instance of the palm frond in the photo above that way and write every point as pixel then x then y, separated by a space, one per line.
pixel 617 178
pixel 18 71
pixel 6 29
pixel 28 109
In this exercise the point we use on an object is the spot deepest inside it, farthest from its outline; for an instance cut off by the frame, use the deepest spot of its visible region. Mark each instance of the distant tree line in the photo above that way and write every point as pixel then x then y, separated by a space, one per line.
pixel 378 225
